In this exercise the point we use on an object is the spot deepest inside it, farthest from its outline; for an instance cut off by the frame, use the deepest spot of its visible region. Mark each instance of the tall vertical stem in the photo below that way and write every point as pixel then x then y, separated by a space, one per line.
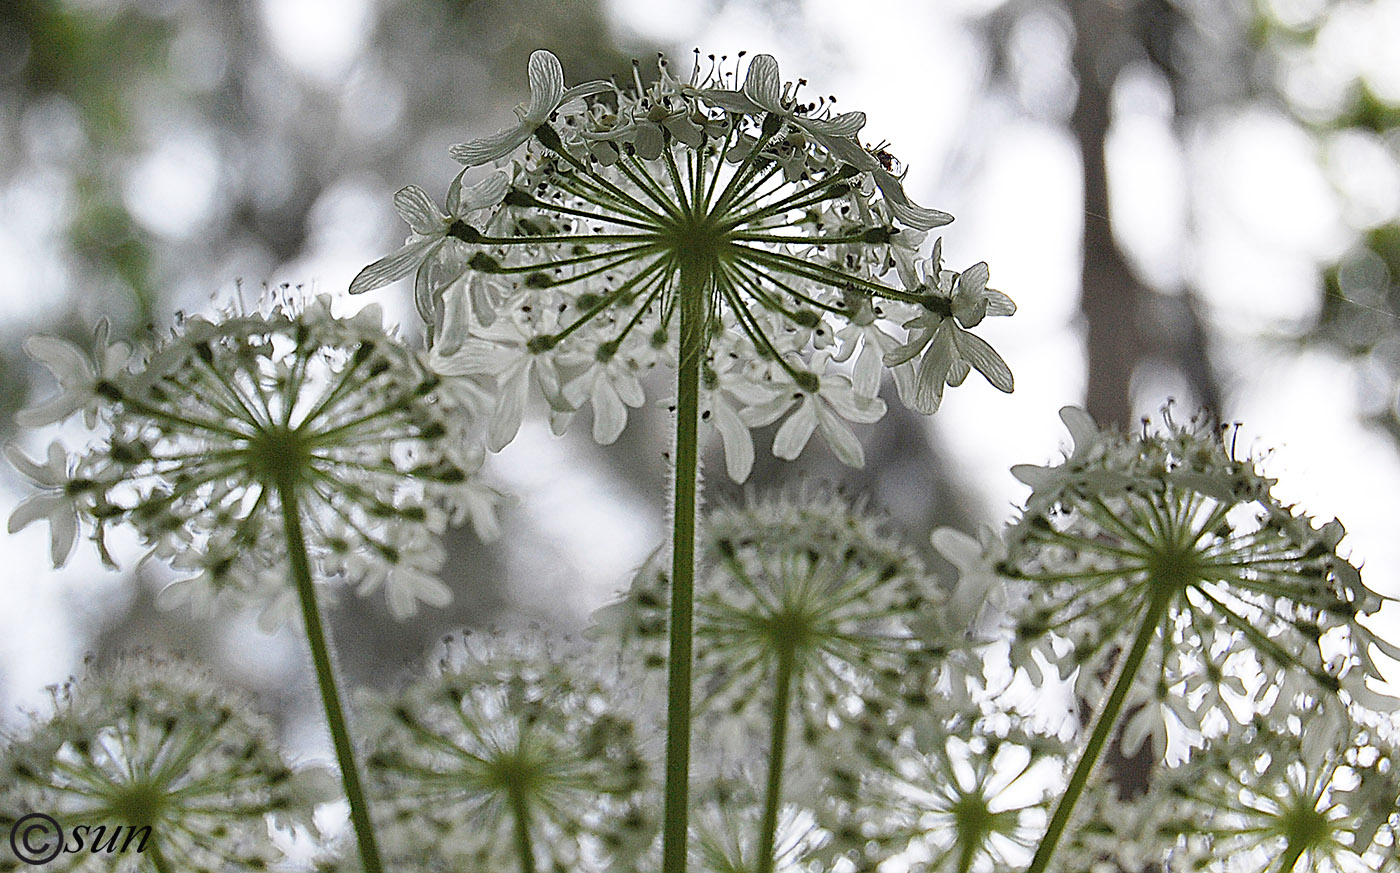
pixel 325 676
pixel 777 747
pixel 1103 728
pixel 693 302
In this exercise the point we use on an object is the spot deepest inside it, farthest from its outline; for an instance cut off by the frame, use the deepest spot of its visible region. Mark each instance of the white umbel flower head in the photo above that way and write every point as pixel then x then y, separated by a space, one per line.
pixel 509 758
pixel 232 424
pixel 1168 529
pixel 182 764
pixel 682 224
pixel 1265 801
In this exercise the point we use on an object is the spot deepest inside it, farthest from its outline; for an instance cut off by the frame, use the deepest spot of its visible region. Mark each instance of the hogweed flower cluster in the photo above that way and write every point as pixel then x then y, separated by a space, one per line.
pixel 1272 797
pixel 156 756
pixel 231 425
pixel 1169 554
pixel 511 759
pixel 707 224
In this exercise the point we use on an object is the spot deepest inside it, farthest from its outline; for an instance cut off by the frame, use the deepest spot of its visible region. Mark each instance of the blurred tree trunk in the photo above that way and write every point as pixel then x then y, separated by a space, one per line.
pixel 1109 35
pixel 1111 295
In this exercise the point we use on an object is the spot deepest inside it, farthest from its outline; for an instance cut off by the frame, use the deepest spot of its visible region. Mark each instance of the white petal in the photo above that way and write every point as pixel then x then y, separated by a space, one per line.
pixel 63 530
pixel 845 124
pixel 792 437
pixel 959 549
pixel 609 414
pixel 38 475
pixel 730 101
pixel 985 358
pixel 546 87
pixel 418 209
pixel 865 377
pixel 904 209
pixel 32 509
pixel 1081 426
pixel 841 439
pixel 488 192
pixel 455 324
pixel 998 303
pixel 510 411
pixel 852 406
pixel 66 361
pixel 933 372
pixel 54 410
pixel 587 89
pixel 488 149
pixel 762 84
pixel 738 442
pixel 393 267
pixel 973 281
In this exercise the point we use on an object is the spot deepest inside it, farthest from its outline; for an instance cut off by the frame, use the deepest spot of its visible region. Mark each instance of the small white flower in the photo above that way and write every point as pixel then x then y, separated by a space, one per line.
pixel 827 410
pixel 612 386
pixel 58 503
pixel 547 93
pixel 503 352
pixel 79 377
pixel 950 352
pixel 432 229
pixel 979 583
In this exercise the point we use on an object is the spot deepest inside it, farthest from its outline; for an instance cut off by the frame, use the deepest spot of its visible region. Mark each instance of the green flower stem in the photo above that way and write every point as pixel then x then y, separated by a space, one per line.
pixel 693 301
pixel 782 698
pixel 325 676
pixel 520 811
pixel 158 858
pixel 1291 856
pixel 1103 728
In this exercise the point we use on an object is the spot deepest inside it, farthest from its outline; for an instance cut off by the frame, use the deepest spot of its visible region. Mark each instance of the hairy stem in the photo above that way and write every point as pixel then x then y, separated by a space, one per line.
pixel 325 677
pixel 777 747
pixel 693 290
pixel 1103 728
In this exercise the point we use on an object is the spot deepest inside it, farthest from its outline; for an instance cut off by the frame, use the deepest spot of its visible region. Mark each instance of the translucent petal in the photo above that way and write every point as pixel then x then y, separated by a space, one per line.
pixel 609 414
pixel 487 192
pixel 393 267
pixel 418 209
pixel 546 87
pixel 732 101
pixel 587 89
pixel 66 361
pixel 510 410
pixel 998 303
pixel 933 372
pixel 841 439
pixel 845 124
pixel 792 437
pixel 853 407
pixel 51 474
pixel 31 510
pixel 762 85
pixel 977 352
pixel 455 324
pixel 738 442
pixel 488 149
